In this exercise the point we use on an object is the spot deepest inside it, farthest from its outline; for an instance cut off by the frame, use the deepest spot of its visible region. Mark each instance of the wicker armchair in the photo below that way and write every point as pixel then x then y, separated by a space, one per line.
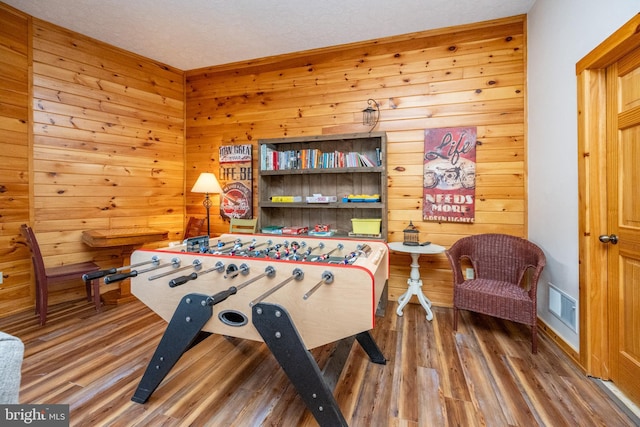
pixel 499 288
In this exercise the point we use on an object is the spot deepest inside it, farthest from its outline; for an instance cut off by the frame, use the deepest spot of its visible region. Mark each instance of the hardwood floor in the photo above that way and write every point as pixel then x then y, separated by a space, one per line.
pixel 485 375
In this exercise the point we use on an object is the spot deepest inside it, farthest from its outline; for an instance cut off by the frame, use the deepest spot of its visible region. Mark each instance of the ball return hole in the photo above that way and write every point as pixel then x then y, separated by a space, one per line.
pixel 232 318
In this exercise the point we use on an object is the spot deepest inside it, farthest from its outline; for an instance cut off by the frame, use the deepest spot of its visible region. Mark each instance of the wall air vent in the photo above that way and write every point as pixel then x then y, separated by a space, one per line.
pixel 562 306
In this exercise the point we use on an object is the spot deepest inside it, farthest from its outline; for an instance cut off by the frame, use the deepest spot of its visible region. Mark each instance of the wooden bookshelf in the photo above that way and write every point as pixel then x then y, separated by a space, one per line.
pixel 304 166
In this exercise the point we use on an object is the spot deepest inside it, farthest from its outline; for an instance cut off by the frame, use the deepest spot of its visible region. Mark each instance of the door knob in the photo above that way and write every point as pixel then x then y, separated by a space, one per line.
pixel 613 239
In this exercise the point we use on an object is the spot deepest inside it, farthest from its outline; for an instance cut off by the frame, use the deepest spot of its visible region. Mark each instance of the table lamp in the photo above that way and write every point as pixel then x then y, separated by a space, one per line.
pixel 207 183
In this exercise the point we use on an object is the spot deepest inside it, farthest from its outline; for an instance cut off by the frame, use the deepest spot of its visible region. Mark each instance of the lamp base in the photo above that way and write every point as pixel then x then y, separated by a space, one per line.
pixel 207 205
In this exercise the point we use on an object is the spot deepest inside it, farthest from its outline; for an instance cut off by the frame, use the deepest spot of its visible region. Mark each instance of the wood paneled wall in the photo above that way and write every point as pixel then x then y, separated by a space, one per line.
pixel 16 289
pixel 464 76
pixel 106 148
pixel 98 139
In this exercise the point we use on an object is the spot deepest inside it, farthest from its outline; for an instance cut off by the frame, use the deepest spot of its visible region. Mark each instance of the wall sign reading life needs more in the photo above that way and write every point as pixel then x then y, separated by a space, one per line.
pixel 236 180
pixel 449 178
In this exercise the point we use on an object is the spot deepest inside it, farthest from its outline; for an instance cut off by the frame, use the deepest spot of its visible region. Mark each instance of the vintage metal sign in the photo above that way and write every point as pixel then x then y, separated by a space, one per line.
pixel 236 181
pixel 449 174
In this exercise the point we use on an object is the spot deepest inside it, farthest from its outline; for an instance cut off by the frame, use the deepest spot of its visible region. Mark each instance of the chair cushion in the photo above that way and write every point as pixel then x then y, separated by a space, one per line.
pixel 495 298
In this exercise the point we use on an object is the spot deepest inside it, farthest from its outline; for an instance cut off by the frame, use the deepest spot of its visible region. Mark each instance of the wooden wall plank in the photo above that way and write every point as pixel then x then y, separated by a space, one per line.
pixel 133 69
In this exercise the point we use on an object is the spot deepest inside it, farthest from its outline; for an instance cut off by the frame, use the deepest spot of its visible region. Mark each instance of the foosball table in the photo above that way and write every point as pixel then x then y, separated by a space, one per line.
pixel 294 293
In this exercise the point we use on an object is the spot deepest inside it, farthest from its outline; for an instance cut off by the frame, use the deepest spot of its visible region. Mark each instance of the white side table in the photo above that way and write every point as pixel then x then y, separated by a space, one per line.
pixel 414 282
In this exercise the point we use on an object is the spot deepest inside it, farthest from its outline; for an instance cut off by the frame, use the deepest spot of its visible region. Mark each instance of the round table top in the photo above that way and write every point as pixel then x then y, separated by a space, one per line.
pixel 424 250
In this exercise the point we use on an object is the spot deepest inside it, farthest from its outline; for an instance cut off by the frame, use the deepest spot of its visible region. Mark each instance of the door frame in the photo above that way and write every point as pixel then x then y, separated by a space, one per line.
pixel 592 196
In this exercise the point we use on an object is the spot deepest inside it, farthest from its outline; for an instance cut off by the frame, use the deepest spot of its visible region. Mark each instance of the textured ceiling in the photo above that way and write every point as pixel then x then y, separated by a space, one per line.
pixel 190 34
